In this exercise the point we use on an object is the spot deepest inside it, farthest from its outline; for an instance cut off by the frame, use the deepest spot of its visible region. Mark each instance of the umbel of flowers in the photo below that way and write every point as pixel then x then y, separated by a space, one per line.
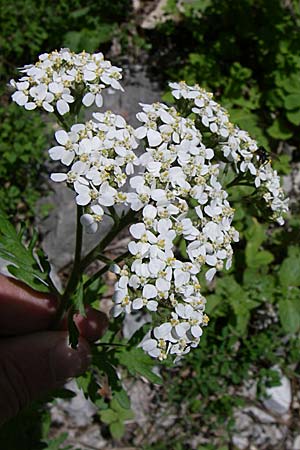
pixel 54 82
pixel 172 188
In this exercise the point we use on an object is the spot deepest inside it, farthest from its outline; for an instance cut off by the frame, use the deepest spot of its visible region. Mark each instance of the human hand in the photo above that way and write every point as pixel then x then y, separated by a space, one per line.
pixel 34 360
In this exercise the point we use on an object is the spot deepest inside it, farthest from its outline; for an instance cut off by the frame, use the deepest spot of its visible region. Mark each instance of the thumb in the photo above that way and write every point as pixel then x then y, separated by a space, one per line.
pixel 34 364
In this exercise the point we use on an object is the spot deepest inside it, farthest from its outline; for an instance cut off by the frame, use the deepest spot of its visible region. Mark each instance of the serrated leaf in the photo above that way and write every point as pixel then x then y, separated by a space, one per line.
pixel 137 362
pixel 24 265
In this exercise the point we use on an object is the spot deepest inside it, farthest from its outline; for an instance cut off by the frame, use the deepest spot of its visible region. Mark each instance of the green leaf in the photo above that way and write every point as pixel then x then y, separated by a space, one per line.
pixel 278 130
pixel 294 117
pixel 289 314
pixel 123 413
pixel 117 429
pixel 73 332
pixel 292 101
pixel 123 399
pixel 255 258
pixel 78 299
pixel 56 443
pixel 290 84
pixel 137 362
pixel 108 416
pixel 212 303
pixel 255 255
pixel 24 265
pixel 289 272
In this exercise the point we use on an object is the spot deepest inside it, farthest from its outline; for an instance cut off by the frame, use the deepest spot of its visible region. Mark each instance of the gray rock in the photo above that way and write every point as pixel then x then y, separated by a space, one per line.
pixel 279 397
pixel 134 322
pixel 259 414
pixel 140 394
pixel 296 443
pixel 58 229
pixel 77 410
pixel 240 442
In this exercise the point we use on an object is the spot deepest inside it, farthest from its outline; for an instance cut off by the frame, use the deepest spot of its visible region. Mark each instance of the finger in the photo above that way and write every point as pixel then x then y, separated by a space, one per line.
pixel 23 310
pixel 35 364
pixel 93 325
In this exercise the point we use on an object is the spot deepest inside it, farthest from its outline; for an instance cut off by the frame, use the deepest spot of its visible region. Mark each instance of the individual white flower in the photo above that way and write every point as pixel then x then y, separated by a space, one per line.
pixel 90 221
pixel 65 152
pixel 149 292
pixel 94 95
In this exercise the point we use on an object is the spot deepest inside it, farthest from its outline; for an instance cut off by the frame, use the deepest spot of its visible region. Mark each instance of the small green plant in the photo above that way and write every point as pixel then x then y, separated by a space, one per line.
pixel 22 146
pixel 247 52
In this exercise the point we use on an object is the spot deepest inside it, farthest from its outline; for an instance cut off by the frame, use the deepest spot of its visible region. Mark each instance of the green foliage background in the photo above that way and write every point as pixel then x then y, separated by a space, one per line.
pixel 248 54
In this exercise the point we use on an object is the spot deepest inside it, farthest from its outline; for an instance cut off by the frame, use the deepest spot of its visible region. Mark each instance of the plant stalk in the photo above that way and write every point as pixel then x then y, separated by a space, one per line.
pixel 104 269
pixel 75 274
pixel 118 226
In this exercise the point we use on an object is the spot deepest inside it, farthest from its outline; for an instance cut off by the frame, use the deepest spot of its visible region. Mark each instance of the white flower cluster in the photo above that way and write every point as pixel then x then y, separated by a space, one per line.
pixel 177 193
pixel 100 155
pixel 180 197
pixel 237 146
pixel 54 81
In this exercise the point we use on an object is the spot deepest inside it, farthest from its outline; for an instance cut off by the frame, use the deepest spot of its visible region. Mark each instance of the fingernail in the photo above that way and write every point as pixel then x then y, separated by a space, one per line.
pixel 67 362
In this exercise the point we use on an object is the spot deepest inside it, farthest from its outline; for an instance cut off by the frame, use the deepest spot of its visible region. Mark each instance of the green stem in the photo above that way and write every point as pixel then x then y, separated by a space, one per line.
pixel 236 181
pixel 75 274
pixel 61 121
pixel 104 269
pixel 94 254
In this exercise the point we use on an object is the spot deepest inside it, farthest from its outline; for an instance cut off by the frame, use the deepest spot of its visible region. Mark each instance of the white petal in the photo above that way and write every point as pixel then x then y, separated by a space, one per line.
pixel 149 291
pixel 140 132
pixel 88 99
pixel 152 305
pixel 137 303
pixel 154 138
pixel 30 106
pixel 56 152
pixel 67 158
pixel 196 331
pixel 137 230
pixel 150 212
pixel 210 274
pixel 99 100
pixel 62 107
pixel 58 177
pixel 162 331
pixel 62 137
pixel 83 199
pixel 149 344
